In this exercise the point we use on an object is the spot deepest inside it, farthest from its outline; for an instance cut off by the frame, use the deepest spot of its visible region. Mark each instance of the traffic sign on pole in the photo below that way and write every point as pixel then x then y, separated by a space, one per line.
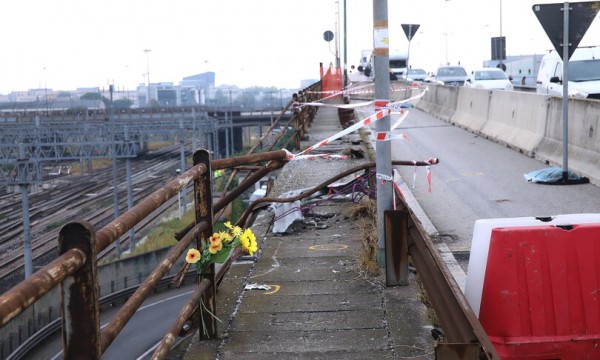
pixel 566 24
pixel 410 30
pixel 581 16
pixel 328 35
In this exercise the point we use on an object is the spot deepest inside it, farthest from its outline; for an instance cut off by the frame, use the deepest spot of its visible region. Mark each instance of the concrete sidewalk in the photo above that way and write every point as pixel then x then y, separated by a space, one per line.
pixel 320 305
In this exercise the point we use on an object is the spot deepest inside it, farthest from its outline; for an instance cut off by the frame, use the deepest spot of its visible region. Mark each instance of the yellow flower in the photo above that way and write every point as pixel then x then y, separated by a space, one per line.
pixel 214 238
pixel 248 241
pixel 235 230
pixel 193 256
pixel 225 236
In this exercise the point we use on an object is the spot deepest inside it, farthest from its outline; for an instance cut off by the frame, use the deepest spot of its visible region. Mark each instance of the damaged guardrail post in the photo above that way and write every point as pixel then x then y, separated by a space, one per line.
pixel 396 247
pixel 80 306
pixel 204 212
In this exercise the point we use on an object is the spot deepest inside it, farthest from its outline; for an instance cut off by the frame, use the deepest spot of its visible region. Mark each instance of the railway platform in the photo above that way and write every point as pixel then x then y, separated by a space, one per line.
pixel 305 295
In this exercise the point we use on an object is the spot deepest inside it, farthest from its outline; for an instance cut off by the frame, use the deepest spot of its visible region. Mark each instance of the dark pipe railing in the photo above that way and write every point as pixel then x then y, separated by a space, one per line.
pixel 74 270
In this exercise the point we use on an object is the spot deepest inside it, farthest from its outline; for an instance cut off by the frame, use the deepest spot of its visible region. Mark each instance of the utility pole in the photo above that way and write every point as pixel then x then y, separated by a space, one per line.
pixel 383 149
pixel 501 42
pixel 337 38
pixel 345 49
pixel 115 178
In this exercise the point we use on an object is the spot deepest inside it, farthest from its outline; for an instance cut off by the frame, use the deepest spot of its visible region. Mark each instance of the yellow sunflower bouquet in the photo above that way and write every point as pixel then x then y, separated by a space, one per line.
pixel 216 250
pixel 220 245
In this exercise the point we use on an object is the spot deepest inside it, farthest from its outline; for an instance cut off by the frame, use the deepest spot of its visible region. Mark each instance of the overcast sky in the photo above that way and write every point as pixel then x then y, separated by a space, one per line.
pixel 65 44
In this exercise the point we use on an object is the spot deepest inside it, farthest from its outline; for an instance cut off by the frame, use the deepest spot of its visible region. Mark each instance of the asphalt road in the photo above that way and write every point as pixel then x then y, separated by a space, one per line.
pixel 478 179
pixel 142 333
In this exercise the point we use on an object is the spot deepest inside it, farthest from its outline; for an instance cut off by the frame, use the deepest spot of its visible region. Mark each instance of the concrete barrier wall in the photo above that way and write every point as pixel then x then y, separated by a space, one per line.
pixel 527 122
pixel 517 120
pixel 472 109
pixel 439 101
pixel 399 92
pixel 583 155
pixel 426 103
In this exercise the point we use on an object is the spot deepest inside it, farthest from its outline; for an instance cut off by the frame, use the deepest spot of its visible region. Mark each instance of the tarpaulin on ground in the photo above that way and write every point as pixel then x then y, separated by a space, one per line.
pixel 554 176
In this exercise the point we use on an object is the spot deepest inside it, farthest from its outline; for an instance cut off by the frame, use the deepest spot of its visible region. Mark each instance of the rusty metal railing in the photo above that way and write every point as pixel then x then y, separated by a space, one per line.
pixel 75 269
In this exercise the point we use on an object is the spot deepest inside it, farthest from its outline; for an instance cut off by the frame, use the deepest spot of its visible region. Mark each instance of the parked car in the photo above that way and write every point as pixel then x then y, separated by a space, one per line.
pixel 417 75
pixel 451 75
pixel 490 79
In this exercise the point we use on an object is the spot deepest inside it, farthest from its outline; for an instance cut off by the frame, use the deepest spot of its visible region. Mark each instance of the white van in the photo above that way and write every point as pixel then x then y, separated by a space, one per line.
pixel 398 62
pixel 584 74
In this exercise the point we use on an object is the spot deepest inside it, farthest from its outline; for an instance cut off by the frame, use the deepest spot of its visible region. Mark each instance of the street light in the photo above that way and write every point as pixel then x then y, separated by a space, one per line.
pixel 270 104
pixel 280 100
pixel 46 91
pixel 147 51
pixel 446 34
pixel 501 42
pixel 500 18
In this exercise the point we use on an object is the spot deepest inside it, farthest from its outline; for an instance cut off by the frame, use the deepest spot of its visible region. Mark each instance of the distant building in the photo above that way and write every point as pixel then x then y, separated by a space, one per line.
pixel 205 80
pixel 203 85
pixel 190 91
pixel 21 96
pixel 189 96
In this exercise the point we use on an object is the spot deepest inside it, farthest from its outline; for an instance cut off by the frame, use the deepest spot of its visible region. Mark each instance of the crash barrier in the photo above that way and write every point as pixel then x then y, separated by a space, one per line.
pixel 584 140
pixel 540 296
pixel 527 122
pixel 440 101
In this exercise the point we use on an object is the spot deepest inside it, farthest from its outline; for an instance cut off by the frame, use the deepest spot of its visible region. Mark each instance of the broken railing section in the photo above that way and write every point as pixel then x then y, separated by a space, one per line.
pixel 299 122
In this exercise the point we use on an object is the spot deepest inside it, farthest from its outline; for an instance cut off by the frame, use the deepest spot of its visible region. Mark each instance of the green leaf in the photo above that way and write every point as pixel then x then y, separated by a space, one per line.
pixel 221 256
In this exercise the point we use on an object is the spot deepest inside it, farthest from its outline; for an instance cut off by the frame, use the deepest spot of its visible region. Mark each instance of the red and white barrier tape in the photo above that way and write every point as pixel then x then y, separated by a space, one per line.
pixel 358 90
pixel 395 107
pixel 321 156
pixel 403 115
pixel 387 136
pixel 371 119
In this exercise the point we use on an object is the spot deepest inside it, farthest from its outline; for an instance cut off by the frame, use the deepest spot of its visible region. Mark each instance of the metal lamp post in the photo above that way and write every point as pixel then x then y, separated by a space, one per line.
pixel 147 51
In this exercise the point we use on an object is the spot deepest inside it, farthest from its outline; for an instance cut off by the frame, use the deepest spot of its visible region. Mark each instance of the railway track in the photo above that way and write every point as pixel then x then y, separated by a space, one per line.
pixel 76 197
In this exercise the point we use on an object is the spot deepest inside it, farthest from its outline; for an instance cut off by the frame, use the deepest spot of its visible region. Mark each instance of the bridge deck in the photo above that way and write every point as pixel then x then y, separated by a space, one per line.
pixel 321 304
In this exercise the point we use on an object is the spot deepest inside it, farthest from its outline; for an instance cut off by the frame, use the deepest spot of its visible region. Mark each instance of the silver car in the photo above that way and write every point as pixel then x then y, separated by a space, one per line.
pixel 417 75
pixel 489 79
pixel 451 75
